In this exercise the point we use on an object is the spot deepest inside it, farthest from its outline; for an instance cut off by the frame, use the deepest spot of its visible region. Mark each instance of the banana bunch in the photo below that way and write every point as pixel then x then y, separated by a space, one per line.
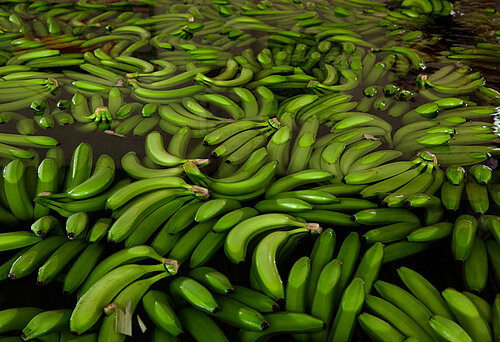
pixel 482 54
pixel 24 86
pixel 118 288
pixel 35 323
pixel 451 81
pixel 82 190
pixel 248 183
pixel 10 145
pixel 20 182
pixel 470 244
pixel 480 184
pixel 49 256
pixel 448 135
pixel 397 180
pixel 346 149
pixel 233 118
pixel 425 314
pixel 328 288
pixel 435 8
pixel 204 294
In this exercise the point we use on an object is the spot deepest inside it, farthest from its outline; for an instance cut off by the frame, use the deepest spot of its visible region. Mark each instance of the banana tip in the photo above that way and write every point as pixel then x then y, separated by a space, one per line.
pixel 12 276
pixel 264 325
pixel 216 309
pixel 23 336
pixel 228 291
pixel 275 307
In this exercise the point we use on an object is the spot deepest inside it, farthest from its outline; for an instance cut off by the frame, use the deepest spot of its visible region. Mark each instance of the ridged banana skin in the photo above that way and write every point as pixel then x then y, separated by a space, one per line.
pixel 485 308
pixel 379 330
pixel 463 236
pixel 448 330
pixel 200 326
pixel 234 217
pixel 239 315
pixel 89 307
pixel 215 281
pixel 350 306
pixel 396 317
pixel 102 178
pixel 238 238
pixel 160 335
pixel 425 292
pixel 215 207
pixel 156 151
pixel 129 297
pixel 80 166
pixel 321 255
pixel 496 318
pixel 283 323
pixel 58 260
pixel 451 195
pixel 159 308
pixel 207 248
pixel 475 267
pixel 254 299
pixel 20 203
pixel 264 262
pixel 384 216
pixel 16 318
pixel 153 221
pixel 325 297
pixel 15 240
pixel 76 225
pixel 370 265
pixel 34 257
pixel 297 179
pixel 185 246
pixel 191 291
pixel 47 181
pixel 348 254
pixel 127 193
pixel 128 221
pixel 82 267
pixel 45 323
pixel 407 303
pixel 467 315
pixel 297 284
pixel 122 257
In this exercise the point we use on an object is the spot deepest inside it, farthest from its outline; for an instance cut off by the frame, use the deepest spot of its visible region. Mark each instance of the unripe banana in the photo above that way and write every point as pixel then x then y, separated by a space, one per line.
pixel 194 293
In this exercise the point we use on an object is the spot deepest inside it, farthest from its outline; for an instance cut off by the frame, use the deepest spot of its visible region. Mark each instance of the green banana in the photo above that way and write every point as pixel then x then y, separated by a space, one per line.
pixel 82 267
pixel 194 293
pixel 463 236
pixel 468 315
pixel 16 319
pixel 239 237
pixel 45 323
pixel 61 257
pixel 158 306
pixel 89 307
pixel 122 257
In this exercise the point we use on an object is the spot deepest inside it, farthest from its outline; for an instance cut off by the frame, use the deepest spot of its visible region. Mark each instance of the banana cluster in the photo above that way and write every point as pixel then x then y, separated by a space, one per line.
pixel 424 314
